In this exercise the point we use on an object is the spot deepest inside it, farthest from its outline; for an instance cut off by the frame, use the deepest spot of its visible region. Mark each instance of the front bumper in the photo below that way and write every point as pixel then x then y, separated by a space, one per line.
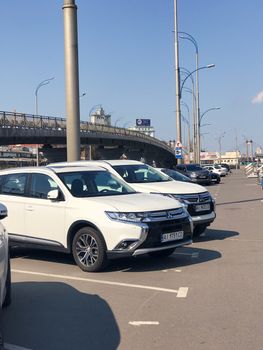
pixel 152 240
pixel 204 219
pixel 201 181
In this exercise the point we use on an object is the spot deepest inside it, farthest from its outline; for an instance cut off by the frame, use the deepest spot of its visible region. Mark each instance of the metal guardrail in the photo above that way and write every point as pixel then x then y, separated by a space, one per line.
pixel 31 121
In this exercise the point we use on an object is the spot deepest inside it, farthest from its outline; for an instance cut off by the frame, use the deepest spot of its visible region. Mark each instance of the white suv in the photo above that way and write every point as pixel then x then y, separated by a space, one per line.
pixel 90 213
pixel 144 178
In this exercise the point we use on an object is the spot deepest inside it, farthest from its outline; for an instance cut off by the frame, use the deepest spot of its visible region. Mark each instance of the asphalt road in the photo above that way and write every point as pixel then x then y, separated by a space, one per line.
pixel 205 296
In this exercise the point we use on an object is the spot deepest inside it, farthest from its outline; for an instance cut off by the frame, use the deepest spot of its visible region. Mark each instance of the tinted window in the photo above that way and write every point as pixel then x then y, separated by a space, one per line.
pixel 41 184
pixel 176 175
pixel 140 173
pixel 14 184
pixel 94 183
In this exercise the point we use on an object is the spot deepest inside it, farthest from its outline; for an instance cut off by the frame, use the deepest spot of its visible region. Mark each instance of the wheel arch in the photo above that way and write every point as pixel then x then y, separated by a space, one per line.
pixel 77 225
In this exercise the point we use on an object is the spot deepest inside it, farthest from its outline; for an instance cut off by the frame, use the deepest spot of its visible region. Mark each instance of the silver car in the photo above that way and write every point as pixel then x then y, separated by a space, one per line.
pixel 5 270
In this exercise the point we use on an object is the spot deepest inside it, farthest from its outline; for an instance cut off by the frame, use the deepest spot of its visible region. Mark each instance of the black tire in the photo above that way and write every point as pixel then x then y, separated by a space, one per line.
pixel 162 253
pixel 89 250
pixel 7 300
pixel 198 230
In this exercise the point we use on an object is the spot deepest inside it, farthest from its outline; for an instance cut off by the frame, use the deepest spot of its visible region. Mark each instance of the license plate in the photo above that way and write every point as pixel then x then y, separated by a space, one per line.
pixel 172 236
pixel 202 177
pixel 200 207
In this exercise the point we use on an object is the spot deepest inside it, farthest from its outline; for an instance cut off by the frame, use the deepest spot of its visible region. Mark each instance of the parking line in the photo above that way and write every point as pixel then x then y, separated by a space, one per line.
pixel 138 286
pixel 182 292
pixel 14 347
pixel 143 323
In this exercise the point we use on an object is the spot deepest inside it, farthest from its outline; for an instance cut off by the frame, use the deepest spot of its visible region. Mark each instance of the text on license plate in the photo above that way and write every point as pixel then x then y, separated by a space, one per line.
pixel 172 236
pixel 200 207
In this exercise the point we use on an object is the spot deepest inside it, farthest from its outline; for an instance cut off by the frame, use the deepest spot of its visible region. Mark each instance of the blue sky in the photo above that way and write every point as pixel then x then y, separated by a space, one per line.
pixel 126 62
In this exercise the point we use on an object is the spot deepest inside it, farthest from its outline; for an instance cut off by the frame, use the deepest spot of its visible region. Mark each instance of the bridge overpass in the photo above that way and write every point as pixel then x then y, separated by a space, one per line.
pixel 107 142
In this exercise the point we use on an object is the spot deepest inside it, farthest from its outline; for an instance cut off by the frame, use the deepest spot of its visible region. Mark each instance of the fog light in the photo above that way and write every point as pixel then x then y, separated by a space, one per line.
pixel 127 244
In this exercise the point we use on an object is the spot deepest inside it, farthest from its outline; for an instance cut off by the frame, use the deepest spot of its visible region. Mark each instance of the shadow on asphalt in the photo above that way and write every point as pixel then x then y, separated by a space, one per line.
pixel 214 235
pixel 54 316
pixel 184 256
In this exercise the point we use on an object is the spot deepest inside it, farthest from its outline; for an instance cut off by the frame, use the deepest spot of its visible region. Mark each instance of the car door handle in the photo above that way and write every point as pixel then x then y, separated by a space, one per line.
pixel 29 208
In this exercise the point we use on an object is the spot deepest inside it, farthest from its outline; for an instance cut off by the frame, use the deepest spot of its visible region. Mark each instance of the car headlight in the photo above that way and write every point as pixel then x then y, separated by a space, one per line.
pixel 193 175
pixel 129 217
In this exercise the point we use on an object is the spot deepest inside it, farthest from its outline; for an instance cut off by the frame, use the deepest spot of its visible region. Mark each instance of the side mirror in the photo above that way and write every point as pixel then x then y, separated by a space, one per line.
pixel 3 211
pixel 53 195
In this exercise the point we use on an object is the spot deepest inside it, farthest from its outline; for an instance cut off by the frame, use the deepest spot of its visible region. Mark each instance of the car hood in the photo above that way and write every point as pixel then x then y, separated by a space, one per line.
pixel 137 202
pixel 174 187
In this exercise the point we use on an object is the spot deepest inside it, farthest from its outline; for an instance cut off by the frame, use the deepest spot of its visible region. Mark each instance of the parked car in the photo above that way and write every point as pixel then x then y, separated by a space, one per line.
pixel 215 178
pixel 144 178
pixel 195 172
pixel 215 169
pixel 225 166
pixel 5 269
pixel 175 175
pixel 89 212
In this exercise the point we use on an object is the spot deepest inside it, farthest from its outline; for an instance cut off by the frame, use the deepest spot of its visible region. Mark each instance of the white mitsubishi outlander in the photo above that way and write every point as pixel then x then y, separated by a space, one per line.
pixel 144 178
pixel 90 213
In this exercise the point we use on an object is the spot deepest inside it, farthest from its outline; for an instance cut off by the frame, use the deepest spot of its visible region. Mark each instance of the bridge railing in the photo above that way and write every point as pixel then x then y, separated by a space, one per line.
pixel 31 121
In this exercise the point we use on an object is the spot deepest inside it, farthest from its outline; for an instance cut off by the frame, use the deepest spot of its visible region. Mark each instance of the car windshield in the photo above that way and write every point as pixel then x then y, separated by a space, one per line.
pixel 94 184
pixel 176 175
pixel 193 167
pixel 140 173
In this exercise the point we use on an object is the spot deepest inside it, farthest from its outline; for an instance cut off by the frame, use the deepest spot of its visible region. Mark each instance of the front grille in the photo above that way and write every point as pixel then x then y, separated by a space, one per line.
pixel 196 199
pixel 156 229
pixel 164 215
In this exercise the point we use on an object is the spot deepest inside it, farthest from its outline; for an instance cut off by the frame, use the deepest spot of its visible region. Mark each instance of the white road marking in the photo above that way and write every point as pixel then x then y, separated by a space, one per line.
pixel 177 270
pixel 143 323
pixel 14 347
pixel 124 270
pixel 138 286
pixel 182 292
pixel 245 240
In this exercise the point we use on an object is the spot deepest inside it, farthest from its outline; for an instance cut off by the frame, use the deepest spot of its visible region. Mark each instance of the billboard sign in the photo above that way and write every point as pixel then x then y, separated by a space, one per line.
pixel 143 122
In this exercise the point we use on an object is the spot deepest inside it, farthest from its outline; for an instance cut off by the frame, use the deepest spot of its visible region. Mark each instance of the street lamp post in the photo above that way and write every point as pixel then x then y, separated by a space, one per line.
pixel 187 36
pixel 72 79
pixel 199 123
pixel 208 110
pixel 42 83
pixel 219 143
pixel 197 131
pixel 177 78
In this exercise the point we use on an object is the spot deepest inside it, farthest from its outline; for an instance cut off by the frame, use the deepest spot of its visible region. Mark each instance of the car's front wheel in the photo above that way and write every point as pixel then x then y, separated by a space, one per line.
pixel 7 300
pixel 162 253
pixel 89 250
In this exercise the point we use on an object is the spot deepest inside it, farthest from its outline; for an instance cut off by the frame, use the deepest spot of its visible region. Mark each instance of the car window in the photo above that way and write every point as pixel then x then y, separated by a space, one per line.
pixel 13 184
pixel 94 183
pixel 40 185
pixel 140 173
